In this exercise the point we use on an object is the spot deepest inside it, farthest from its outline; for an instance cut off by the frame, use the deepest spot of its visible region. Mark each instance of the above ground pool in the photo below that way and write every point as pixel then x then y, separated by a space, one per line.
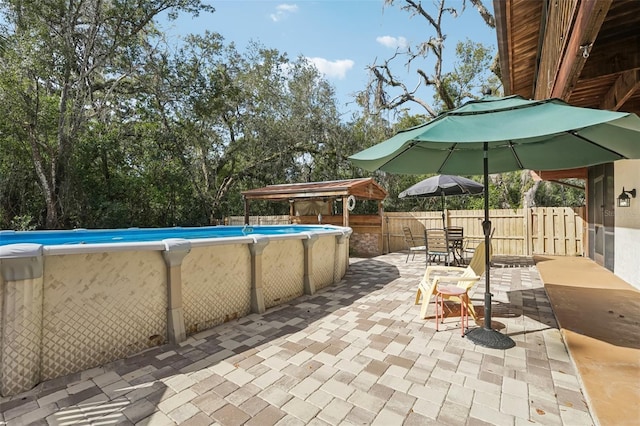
pixel 78 299
pixel 129 235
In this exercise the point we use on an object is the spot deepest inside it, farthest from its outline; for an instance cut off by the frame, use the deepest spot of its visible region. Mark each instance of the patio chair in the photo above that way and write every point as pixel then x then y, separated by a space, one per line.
pixel 455 235
pixel 452 275
pixel 438 246
pixel 414 245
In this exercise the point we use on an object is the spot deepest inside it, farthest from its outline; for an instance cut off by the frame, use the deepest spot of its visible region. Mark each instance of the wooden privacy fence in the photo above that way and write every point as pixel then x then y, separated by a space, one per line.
pixel 520 232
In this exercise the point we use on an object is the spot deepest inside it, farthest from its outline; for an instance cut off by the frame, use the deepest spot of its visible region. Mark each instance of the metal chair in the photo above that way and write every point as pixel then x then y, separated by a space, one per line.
pixel 414 245
pixel 438 246
pixel 455 235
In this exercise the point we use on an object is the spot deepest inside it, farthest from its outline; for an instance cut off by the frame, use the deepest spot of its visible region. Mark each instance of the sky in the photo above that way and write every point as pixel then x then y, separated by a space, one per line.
pixel 341 37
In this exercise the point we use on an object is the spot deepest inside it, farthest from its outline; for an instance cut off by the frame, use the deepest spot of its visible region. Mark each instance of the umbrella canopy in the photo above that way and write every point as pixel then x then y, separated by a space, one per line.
pixel 493 135
pixel 442 185
pixel 520 134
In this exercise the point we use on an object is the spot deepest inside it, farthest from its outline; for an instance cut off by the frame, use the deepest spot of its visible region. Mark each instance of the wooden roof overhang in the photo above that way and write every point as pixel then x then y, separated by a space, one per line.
pixel 364 189
pixel 586 52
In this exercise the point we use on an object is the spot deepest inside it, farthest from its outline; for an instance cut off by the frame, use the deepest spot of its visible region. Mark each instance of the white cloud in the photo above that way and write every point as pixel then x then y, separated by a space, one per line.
pixel 394 42
pixel 332 69
pixel 282 11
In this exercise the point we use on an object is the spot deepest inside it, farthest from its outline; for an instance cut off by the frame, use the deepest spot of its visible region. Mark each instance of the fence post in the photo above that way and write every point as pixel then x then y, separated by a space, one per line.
pixel 528 226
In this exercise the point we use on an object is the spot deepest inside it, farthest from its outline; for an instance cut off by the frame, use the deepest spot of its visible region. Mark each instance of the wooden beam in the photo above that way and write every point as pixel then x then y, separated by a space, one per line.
pixel 502 11
pixel 590 15
pixel 613 57
pixel 345 212
pixel 579 173
pixel 246 211
pixel 621 91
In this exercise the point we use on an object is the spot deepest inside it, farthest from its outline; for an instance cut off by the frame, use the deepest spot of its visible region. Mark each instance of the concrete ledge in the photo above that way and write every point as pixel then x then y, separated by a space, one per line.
pixel 598 314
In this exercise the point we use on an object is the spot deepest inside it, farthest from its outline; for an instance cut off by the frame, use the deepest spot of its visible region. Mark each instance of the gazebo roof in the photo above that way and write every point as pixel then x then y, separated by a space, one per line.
pixel 362 188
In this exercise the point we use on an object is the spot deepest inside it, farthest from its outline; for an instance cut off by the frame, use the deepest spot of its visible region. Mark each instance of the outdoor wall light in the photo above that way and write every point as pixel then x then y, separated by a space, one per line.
pixel 624 200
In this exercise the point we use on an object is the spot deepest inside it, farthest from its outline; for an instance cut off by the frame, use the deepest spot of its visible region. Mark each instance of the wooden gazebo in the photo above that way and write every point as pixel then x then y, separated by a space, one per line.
pixel 331 203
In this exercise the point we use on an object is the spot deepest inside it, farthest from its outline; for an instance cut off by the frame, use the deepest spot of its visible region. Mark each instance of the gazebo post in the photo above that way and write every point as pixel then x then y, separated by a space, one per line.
pixel 246 211
pixel 345 211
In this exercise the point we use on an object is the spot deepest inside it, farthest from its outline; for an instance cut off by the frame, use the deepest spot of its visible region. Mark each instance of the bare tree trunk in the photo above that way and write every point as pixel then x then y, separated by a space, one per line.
pixel 47 183
pixel 528 197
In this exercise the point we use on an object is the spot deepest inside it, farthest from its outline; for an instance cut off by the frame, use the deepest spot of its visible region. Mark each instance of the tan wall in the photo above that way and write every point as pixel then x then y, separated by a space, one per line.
pixel 627 223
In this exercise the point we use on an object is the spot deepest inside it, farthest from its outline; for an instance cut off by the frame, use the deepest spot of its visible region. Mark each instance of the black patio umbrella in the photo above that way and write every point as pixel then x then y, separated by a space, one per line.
pixel 493 135
pixel 443 185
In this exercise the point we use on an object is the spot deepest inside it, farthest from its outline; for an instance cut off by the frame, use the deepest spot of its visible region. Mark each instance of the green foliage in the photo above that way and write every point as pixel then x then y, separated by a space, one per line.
pixel 22 223
pixel 67 66
pixel 104 124
pixel 551 194
pixel 470 75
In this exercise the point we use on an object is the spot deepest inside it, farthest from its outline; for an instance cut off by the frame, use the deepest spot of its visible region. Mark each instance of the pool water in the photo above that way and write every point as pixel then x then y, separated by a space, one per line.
pixel 104 236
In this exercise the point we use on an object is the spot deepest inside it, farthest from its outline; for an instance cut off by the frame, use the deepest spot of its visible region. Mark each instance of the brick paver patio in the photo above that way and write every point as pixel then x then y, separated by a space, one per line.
pixel 354 354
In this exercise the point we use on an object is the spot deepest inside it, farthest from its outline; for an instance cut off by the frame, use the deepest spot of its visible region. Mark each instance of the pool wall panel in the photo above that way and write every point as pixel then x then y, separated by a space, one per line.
pixel 20 334
pixel 324 252
pixel 342 258
pixel 99 307
pixel 216 283
pixel 283 271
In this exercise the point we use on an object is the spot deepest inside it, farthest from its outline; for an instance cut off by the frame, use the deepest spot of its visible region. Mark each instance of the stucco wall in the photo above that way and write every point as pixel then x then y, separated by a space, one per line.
pixel 627 220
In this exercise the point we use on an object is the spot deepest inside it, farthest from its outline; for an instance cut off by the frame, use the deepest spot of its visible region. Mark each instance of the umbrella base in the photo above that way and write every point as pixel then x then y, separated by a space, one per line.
pixel 489 338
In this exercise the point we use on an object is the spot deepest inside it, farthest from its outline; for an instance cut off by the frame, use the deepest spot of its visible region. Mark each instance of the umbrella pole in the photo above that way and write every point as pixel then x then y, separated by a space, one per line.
pixel 485 335
pixel 444 225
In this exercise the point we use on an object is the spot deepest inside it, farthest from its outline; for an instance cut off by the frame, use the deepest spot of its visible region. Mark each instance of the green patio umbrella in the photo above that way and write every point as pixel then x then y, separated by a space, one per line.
pixel 493 135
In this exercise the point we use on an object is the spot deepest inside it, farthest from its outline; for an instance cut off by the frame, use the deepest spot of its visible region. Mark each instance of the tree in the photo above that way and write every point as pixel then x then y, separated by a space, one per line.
pixel 234 121
pixel 386 91
pixel 475 68
pixel 63 63
pixel 566 193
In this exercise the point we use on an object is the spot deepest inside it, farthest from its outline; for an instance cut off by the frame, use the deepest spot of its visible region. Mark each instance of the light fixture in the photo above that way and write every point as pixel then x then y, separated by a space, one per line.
pixel 586 49
pixel 624 200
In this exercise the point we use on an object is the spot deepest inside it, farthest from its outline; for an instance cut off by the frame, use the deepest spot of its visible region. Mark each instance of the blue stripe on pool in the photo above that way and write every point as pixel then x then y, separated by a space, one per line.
pixel 102 236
